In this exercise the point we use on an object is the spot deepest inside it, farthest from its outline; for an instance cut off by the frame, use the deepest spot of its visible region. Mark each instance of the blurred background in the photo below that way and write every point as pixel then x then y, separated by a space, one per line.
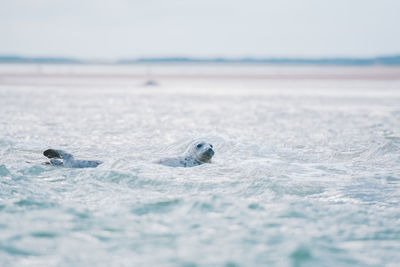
pixel 121 29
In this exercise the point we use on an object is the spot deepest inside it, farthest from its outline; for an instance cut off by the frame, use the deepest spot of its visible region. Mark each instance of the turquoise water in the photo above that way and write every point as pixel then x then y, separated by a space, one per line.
pixel 306 172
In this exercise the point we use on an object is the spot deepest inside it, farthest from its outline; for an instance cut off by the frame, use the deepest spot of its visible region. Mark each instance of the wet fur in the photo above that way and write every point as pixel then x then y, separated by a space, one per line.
pixel 193 156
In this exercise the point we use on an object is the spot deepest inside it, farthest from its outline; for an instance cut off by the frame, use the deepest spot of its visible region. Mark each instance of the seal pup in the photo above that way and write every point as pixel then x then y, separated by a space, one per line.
pixel 197 153
pixel 68 160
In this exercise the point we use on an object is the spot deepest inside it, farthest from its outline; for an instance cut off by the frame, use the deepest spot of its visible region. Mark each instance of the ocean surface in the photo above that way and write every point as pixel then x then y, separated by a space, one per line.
pixel 306 169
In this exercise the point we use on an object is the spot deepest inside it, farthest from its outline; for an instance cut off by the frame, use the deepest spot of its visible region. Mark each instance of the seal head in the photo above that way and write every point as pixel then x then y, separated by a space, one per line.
pixel 197 153
pixel 200 151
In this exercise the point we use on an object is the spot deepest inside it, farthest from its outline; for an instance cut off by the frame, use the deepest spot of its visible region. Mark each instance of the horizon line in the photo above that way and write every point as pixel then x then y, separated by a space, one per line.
pixel 377 60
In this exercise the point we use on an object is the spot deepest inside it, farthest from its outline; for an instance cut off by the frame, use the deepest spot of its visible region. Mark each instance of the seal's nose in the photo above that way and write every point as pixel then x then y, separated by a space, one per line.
pixel 210 151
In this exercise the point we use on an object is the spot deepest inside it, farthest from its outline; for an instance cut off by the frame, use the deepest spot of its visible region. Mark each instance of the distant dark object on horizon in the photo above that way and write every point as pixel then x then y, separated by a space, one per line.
pixel 384 60
pixel 151 83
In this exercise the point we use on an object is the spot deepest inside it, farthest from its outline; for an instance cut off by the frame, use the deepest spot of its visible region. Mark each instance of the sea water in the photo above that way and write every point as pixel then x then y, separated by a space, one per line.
pixel 306 169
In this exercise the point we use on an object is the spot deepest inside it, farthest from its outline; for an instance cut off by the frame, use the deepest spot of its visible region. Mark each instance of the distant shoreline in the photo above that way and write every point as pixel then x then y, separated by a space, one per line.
pixel 384 60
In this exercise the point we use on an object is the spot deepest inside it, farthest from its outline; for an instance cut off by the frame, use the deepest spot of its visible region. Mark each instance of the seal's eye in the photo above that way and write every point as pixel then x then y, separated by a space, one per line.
pixel 199 145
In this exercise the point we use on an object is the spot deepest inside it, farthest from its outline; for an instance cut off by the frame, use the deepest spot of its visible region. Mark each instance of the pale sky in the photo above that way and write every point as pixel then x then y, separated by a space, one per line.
pixel 205 28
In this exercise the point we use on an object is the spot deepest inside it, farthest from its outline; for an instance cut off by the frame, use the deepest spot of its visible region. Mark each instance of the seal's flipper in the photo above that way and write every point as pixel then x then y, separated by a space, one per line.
pixel 68 160
pixel 52 153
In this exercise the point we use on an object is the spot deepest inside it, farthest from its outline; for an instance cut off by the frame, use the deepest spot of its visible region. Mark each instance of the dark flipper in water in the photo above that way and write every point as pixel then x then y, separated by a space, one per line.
pixel 68 160
pixel 51 153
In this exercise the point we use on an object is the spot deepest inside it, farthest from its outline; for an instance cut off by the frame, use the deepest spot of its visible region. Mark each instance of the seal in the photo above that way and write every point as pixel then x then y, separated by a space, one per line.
pixel 68 160
pixel 197 153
